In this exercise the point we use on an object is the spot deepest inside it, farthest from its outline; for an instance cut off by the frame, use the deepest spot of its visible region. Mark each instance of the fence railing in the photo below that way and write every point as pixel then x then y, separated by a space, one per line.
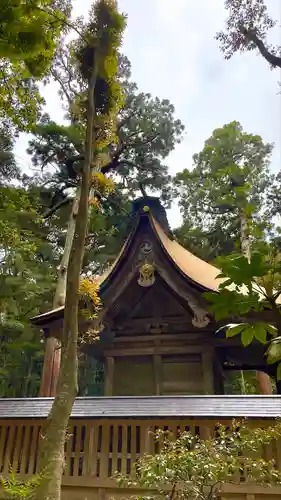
pixel 96 449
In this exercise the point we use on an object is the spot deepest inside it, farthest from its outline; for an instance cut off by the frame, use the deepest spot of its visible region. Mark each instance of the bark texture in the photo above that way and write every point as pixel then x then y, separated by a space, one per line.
pixel 52 355
pixel 54 435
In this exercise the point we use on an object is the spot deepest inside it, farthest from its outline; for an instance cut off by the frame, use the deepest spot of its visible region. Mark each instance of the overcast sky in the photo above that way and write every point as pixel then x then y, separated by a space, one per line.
pixel 171 46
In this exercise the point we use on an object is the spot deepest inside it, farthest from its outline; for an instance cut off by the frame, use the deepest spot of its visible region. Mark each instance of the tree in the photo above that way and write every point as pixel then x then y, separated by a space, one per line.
pixel 246 29
pixel 96 52
pixel 226 193
pixel 30 32
pixel 28 264
pixel 192 468
pixel 223 199
pixel 28 278
pixel 146 132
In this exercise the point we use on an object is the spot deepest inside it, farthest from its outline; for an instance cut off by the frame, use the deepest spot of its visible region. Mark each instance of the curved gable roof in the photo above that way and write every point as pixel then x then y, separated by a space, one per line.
pixel 194 268
pixel 191 267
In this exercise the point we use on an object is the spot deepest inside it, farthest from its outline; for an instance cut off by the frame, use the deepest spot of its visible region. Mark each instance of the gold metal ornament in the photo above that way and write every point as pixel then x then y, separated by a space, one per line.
pixel 147 275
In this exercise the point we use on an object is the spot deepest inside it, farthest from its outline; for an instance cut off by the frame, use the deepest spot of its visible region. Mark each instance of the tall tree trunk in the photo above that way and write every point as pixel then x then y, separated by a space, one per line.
pixel 244 237
pixel 263 380
pixel 52 356
pixel 51 458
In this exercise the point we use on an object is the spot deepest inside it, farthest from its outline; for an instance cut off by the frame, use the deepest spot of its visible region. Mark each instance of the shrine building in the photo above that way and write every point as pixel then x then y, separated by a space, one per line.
pixel 166 364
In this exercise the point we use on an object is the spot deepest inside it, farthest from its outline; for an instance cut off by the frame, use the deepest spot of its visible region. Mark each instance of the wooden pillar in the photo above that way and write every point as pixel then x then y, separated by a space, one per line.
pixel 109 373
pixel 264 383
pixel 208 373
pixel 51 367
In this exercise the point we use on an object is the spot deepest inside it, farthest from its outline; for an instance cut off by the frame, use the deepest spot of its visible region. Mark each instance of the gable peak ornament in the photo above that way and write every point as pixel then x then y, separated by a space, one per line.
pixel 147 274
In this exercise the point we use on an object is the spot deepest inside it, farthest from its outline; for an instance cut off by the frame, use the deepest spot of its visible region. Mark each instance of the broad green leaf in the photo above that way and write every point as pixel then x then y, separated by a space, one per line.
pixel 235 330
pixel 273 352
pixel 260 332
pixel 247 336
pixel 272 330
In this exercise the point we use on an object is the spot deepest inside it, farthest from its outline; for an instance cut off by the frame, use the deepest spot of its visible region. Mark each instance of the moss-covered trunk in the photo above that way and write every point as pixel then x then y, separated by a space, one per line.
pixel 52 355
pixel 51 456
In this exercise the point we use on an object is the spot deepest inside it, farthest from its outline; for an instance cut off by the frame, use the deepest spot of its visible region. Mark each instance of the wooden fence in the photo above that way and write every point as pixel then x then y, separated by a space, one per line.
pixel 96 449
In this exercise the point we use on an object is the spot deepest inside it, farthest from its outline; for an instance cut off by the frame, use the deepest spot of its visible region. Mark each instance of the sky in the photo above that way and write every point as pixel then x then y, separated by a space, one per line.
pixel 174 55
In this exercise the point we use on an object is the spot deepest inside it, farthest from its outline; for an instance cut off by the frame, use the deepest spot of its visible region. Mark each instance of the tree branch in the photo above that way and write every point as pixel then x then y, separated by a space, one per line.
pixel 60 82
pixel 63 21
pixel 125 120
pixel 55 208
pixel 271 58
pixel 142 190
pixel 173 491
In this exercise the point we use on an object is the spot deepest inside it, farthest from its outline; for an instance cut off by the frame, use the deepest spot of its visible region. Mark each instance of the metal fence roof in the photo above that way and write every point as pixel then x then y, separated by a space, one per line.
pixel 149 407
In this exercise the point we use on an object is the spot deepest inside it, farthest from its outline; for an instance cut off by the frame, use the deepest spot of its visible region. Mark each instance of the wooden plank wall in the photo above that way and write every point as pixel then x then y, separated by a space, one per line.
pixel 96 449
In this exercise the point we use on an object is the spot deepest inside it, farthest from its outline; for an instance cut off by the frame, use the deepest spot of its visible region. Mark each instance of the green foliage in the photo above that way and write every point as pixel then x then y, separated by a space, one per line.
pixel 248 287
pixel 30 32
pixel 250 332
pixel 230 178
pixel 16 490
pixel 26 277
pixel 242 382
pixel 147 132
pixel 191 468
pixel 20 100
pixel 99 45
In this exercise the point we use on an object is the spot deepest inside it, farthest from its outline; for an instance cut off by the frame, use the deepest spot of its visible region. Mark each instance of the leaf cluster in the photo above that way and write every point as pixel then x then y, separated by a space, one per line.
pixel 230 178
pixel 30 31
pixel 189 467
pixel 98 48
pixel 248 287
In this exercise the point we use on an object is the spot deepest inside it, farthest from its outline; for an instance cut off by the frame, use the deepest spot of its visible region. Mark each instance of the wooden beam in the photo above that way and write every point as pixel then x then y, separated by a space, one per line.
pixel 150 350
pixel 109 374
pixel 162 337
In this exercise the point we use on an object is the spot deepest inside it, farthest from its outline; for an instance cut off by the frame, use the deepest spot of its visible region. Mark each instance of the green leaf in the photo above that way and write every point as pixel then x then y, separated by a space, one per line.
pixel 278 372
pixel 235 330
pixel 260 332
pixel 273 352
pixel 272 330
pixel 247 336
